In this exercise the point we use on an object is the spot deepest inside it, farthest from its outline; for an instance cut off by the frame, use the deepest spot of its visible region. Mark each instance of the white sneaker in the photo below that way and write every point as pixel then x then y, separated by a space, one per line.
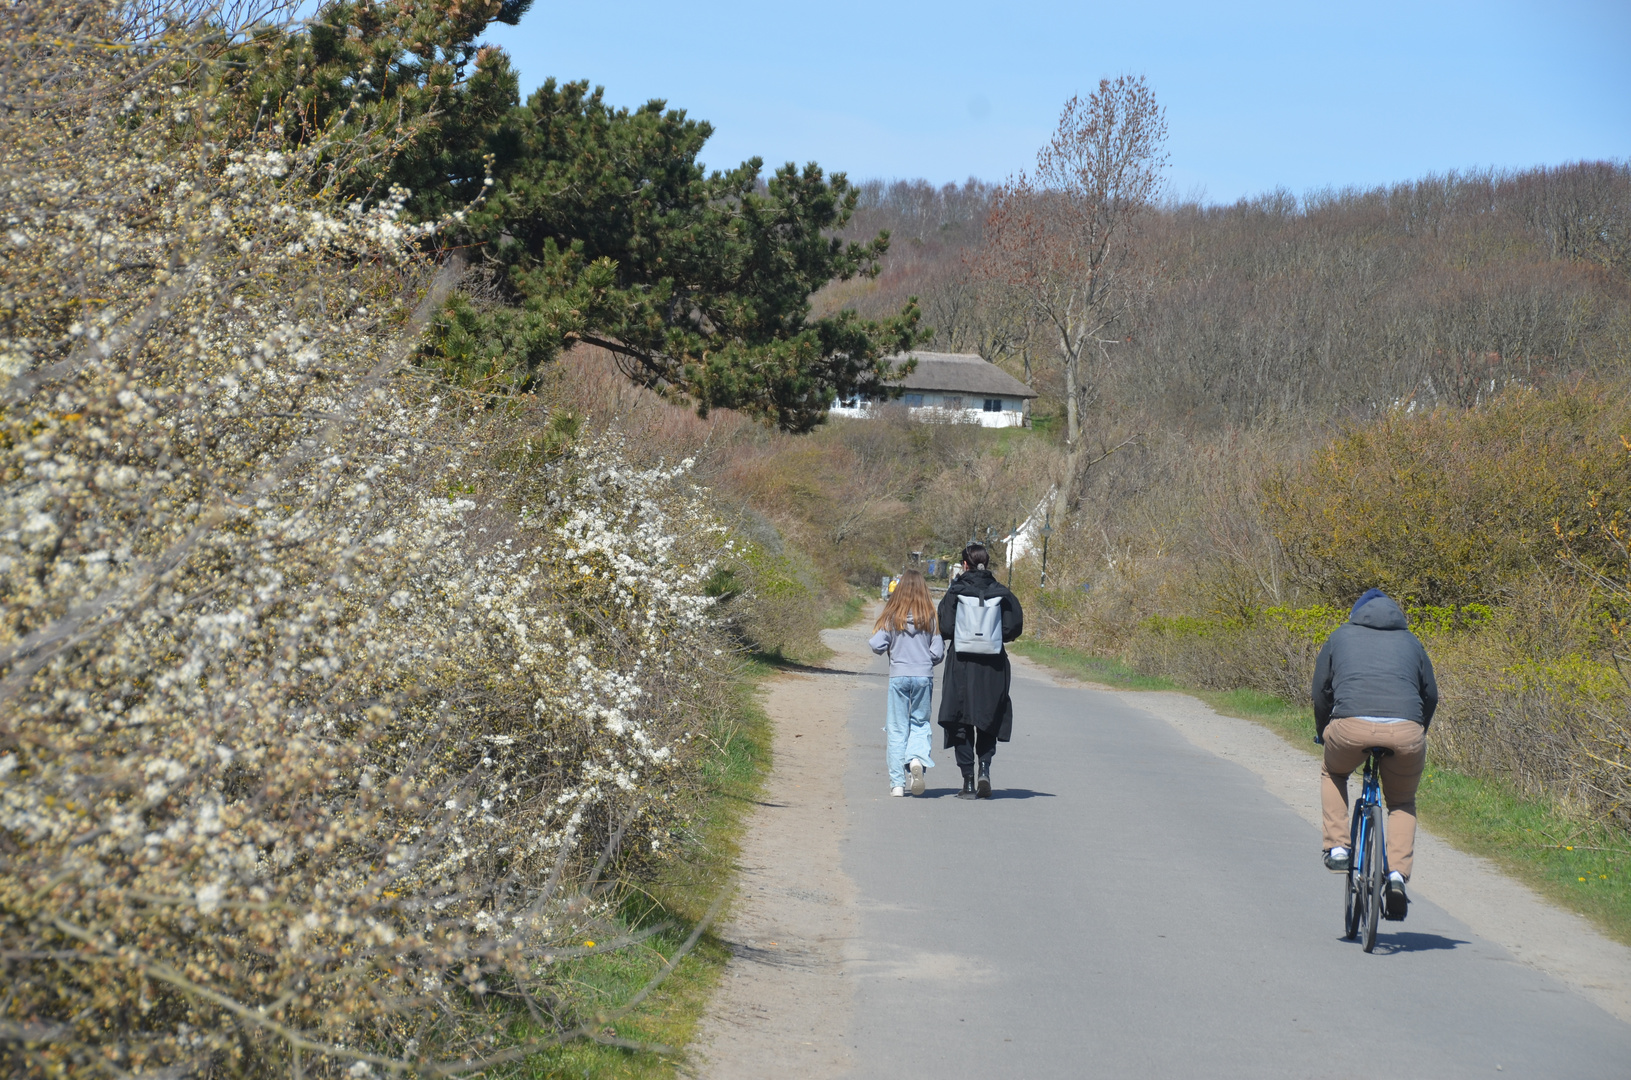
pixel 917 777
pixel 897 791
pixel 1396 904
pixel 1337 860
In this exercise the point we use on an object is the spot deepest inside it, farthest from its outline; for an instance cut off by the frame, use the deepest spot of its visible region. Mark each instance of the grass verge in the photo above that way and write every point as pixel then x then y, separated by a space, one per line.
pixel 808 648
pixel 733 776
pixel 1580 864
pixel 842 614
pixel 1089 668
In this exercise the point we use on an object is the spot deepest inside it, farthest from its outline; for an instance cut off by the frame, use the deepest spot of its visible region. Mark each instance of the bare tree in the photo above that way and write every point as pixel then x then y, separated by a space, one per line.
pixel 1062 239
pixel 971 315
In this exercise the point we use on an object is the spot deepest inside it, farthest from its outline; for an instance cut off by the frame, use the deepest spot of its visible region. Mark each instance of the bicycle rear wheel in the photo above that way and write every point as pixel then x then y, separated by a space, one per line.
pixel 1353 907
pixel 1375 873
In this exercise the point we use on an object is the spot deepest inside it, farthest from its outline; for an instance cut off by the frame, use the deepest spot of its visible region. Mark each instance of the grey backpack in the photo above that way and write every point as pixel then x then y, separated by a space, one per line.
pixel 979 625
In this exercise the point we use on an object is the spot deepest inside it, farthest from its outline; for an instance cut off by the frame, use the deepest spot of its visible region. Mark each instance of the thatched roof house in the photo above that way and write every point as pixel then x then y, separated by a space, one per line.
pixel 957 387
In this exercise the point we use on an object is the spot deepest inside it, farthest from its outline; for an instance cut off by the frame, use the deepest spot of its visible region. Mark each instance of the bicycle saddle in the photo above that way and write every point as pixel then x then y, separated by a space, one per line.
pixel 1379 751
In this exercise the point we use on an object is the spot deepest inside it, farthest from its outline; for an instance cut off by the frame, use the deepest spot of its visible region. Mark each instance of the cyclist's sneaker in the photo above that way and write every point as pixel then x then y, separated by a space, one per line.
pixel 1395 903
pixel 1338 861
pixel 896 792
pixel 916 781
pixel 984 788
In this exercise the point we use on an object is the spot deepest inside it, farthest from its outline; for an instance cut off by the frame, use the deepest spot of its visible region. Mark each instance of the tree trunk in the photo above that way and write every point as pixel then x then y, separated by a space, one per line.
pixel 1073 415
pixel 1066 500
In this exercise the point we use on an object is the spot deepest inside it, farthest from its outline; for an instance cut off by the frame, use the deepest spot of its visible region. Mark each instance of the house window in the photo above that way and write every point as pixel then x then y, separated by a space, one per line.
pixel 913 401
pixel 953 402
pixel 993 404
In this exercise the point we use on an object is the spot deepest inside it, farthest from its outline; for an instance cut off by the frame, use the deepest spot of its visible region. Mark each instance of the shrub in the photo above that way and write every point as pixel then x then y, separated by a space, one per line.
pixel 330 701
pixel 1452 507
pixel 1505 525
pixel 1502 529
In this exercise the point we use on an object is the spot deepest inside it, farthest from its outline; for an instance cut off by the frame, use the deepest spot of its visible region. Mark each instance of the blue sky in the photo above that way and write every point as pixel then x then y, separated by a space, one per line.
pixel 1258 96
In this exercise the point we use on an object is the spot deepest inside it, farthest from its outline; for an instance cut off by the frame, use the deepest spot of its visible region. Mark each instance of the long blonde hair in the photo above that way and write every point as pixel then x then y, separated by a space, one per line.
pixel 910 598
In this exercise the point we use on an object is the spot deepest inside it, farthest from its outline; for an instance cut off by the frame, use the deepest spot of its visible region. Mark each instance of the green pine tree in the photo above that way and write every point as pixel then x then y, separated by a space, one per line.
pixel 597 223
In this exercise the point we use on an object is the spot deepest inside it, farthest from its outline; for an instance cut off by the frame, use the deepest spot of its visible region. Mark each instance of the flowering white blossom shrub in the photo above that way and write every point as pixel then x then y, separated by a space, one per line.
pixel 330 700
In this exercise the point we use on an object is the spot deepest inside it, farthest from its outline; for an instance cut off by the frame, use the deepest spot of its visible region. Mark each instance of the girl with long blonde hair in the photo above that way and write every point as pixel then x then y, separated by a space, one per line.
pixel 908 631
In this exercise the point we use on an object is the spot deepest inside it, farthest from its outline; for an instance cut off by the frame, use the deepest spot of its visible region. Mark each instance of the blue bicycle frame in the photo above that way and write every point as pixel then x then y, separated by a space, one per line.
pixel 1370 794
pixel 1362 902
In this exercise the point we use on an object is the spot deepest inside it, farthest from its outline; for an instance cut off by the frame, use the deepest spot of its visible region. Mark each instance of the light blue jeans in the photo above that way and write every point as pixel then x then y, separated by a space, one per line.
pixel 907 727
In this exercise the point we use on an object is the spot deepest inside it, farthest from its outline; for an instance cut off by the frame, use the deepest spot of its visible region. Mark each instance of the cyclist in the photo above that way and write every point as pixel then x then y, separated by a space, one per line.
pixel 1374 686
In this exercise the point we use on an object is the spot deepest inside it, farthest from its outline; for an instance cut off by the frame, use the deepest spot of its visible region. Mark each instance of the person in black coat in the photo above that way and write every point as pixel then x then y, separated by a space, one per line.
pixel 975 709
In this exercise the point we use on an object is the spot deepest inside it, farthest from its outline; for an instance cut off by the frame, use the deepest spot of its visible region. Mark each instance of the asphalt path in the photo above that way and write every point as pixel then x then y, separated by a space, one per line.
pixel 1129 905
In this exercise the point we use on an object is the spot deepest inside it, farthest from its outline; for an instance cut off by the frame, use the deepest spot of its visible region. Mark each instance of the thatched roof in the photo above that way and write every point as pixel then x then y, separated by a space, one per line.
pixel 962 373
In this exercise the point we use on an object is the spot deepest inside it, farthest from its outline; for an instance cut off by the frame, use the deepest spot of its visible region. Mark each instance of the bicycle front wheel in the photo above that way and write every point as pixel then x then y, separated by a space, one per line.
pixel 1375 873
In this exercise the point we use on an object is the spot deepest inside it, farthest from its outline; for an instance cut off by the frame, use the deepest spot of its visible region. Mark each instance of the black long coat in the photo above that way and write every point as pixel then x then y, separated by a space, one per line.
pixel 975 690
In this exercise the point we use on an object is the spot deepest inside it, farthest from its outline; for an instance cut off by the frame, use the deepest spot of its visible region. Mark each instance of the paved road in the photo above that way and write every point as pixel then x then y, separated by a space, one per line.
pixel 1130 906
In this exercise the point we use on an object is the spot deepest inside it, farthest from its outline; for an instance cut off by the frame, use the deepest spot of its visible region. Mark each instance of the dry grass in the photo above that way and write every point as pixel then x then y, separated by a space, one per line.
pixel 820 514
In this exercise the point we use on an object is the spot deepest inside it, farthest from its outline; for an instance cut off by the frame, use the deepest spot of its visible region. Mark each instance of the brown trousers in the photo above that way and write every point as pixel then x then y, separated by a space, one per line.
pixel 1346 740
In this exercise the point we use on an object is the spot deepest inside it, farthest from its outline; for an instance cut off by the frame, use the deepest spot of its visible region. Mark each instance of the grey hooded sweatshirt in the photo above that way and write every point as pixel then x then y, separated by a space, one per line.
pixel 913 653
pixel 1372 665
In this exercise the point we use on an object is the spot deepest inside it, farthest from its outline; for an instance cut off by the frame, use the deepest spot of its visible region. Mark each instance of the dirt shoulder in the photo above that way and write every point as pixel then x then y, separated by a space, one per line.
pixel 784 1002
pixel 1535 932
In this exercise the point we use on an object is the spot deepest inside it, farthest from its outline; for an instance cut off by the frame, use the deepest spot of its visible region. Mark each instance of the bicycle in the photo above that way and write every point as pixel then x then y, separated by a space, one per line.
pixel 1364 894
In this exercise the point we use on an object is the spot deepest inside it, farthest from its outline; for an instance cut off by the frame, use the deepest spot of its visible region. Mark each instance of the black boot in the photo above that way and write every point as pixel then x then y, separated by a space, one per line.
pixel 968 787
pixel 984 790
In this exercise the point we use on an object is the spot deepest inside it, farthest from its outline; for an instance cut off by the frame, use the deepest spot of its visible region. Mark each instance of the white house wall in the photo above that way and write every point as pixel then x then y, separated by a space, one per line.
pixel 932 415
pixel 1011 415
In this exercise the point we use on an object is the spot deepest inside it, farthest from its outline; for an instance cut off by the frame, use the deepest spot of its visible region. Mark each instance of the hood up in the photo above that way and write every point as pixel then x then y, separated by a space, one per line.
pixel 1379 613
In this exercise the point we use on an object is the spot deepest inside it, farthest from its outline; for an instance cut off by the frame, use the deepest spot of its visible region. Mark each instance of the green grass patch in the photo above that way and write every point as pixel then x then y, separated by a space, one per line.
pixel 1080 665
pixel 1294 722
pixel 1005 438
pixel 812 652
pixel 843 614
pixel 1580 864
pixel 733 775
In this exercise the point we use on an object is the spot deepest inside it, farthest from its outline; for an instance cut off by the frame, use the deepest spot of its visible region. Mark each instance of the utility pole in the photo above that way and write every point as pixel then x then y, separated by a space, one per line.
pixel 1008 550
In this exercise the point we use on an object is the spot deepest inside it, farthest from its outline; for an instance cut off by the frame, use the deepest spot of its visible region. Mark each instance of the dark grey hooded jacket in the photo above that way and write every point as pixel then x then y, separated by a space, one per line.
pixel 1372 665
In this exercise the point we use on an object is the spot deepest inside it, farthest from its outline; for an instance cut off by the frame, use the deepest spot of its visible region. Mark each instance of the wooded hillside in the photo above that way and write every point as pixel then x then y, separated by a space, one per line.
pixel 1281 309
